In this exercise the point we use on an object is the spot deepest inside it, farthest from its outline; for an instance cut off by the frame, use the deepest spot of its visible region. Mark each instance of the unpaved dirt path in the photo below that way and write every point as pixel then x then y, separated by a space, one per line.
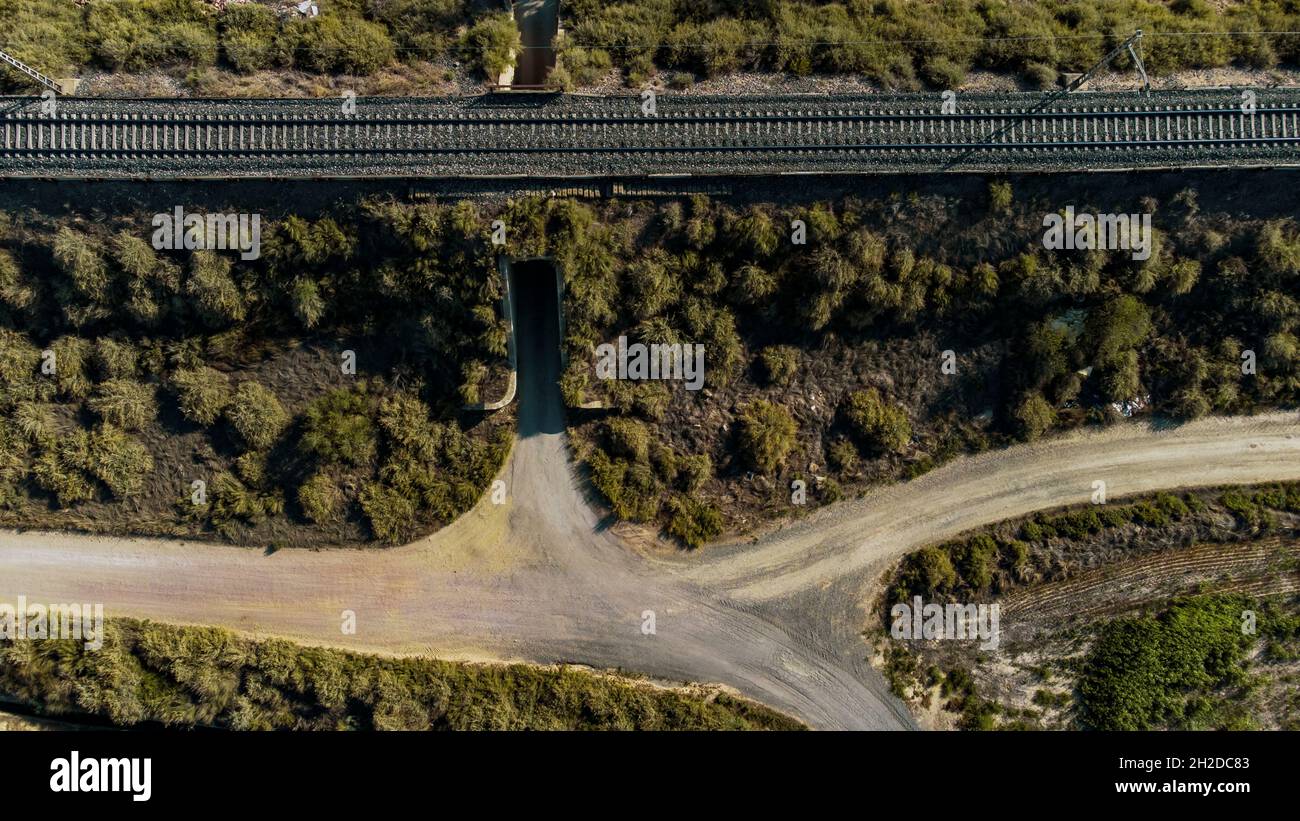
pixel 542 579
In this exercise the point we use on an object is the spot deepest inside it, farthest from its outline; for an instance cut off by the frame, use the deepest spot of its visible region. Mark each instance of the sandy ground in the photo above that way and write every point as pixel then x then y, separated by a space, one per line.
pixel 541 578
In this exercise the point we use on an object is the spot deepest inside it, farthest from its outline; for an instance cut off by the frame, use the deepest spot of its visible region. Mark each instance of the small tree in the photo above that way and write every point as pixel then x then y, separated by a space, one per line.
pixel 1035 416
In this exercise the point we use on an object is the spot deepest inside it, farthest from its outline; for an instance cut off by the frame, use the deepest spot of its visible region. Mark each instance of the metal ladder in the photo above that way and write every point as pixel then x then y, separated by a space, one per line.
pixel 31 72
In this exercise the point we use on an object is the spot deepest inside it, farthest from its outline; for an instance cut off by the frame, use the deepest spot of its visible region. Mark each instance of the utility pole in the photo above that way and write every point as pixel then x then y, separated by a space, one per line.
pixel 1127 45
pixel 1134 39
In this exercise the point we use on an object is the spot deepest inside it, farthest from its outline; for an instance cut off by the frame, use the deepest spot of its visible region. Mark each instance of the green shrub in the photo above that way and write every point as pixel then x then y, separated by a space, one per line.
pixel 19 359
pixel 125 403
pixel 941 72
pixel 139 34
pixel 308 304
pixel 978 561
pixel 628 438
pixel 321 499
pixel 231 500
pixel 70 359
pixel 256 415
pixel 472 374
pixel 1119 326
pixel 1040 76
pixel 202 393
pixel 248 36
pixel 341 43
pixel 929 571
pixel 15 290
pixel 843 455
pixel 1278 248
pixel 1000 197
pixel 14 453
pixel 1245 509
pixel 207 677
pixel 694 471
pixel 693 521
pixel 631 488
pixel 119 461
pixel 767 435
pixel 62 469
pixel 35 423
pixel 492 43
pixel 779 363
pixel 1034 416
pixel 1149 672
pixel 576 66
pixel 77 257
pixel 115 359
pixel 390 513
pixel 339 428
pixel 881 426
pixel 215 295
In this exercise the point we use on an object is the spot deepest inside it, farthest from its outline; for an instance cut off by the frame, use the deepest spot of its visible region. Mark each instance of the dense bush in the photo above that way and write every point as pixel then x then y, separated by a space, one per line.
pixel 320 499
pixel 202 393
pixel 880 425
pixel 341 43
pixel 251 37
pixel 257 415
pixel 139 34
pixel 1153 672
pixel 908 43
pixel 207 677
pixel 339 428
pixel 128 404
pixel 779 363
pixel 414 287
pixel 392 514
pixel 766 435
pixel 134 35
pixel 492 44
pixel 693 521
pixel 1043 340
pixel 216 296
pixel 898 44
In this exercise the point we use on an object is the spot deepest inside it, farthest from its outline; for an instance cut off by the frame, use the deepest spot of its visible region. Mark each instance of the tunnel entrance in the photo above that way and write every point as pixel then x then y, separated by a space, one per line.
pixel 538 340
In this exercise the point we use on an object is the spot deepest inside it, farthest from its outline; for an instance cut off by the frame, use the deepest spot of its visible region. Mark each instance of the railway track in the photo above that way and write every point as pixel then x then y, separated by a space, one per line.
pixel 585 136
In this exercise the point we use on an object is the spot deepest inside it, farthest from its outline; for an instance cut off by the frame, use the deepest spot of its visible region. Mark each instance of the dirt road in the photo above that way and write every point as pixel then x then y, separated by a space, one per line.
pixel 541 578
